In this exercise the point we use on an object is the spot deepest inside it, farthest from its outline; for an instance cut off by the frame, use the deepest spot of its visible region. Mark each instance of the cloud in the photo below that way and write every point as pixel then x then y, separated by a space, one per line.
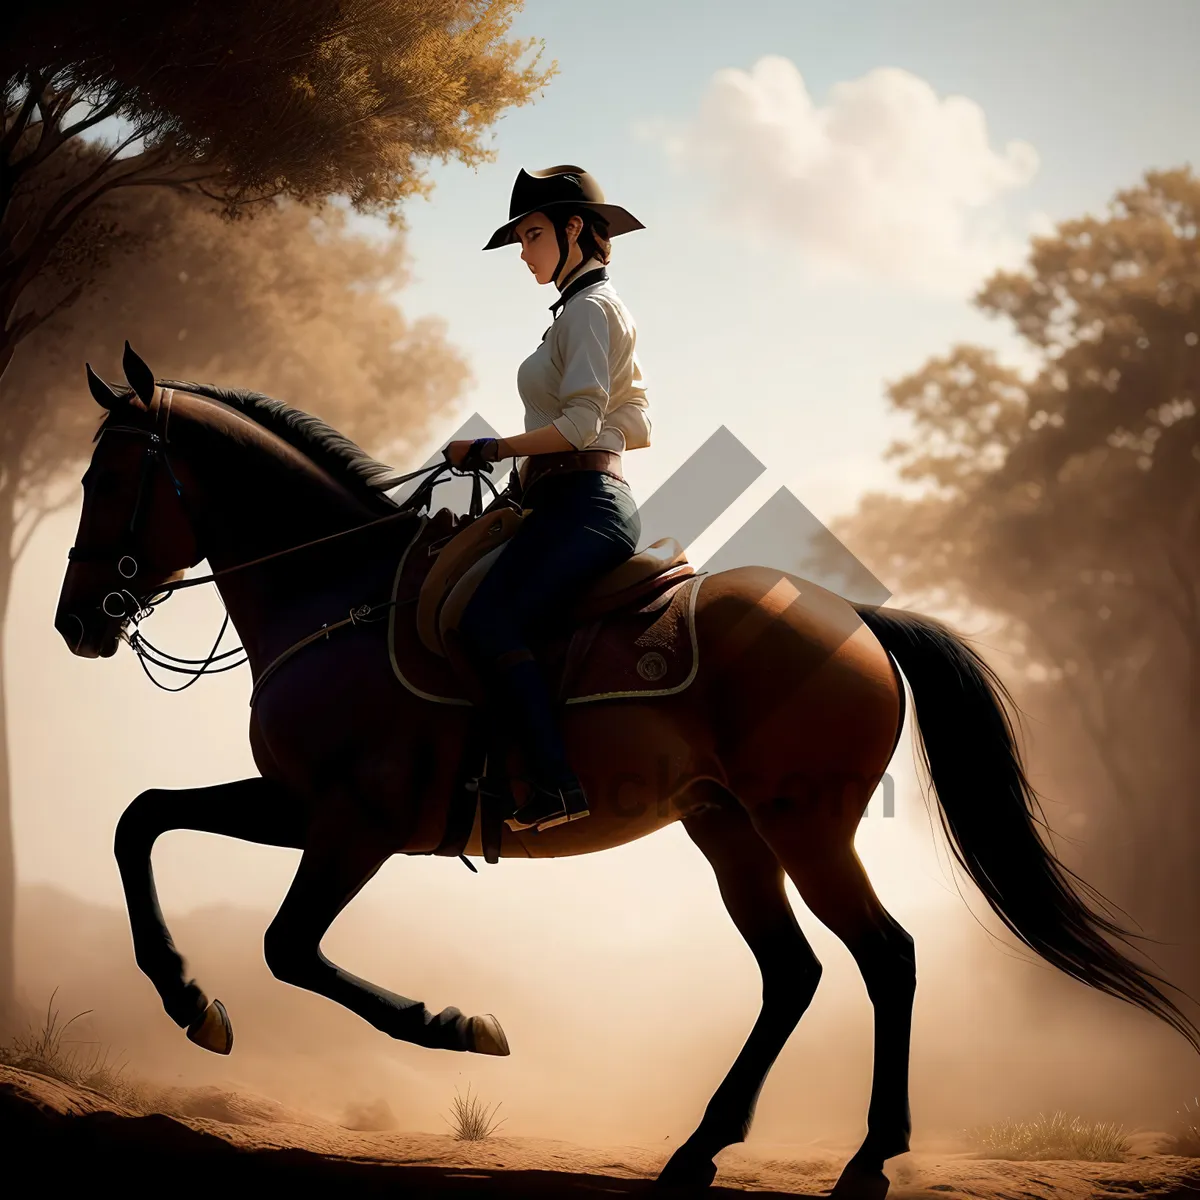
pixel 886 180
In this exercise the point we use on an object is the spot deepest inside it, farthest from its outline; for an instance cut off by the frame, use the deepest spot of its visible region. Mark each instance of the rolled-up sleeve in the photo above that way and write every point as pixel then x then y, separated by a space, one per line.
pixel 633 422
pixel 584 391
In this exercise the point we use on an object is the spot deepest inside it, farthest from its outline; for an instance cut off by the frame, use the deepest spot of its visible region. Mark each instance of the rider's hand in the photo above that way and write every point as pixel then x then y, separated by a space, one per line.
pixel 455 452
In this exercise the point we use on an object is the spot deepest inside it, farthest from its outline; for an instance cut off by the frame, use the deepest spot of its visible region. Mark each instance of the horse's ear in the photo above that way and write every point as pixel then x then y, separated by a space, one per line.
pixel 101 392
pixel 140 377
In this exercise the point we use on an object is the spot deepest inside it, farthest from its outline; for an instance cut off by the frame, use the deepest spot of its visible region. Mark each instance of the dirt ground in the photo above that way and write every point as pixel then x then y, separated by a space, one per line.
pixel 69 1137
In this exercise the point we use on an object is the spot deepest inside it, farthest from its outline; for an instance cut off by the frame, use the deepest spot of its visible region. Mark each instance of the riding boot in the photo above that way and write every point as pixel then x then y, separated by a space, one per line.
pixel 522 700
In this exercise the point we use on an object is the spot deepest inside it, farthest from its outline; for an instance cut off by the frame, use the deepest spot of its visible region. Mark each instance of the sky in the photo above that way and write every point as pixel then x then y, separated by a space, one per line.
pixel 823 185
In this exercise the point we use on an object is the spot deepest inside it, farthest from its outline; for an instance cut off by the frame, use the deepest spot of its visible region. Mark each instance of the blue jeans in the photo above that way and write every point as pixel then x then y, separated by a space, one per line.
pixel 583 524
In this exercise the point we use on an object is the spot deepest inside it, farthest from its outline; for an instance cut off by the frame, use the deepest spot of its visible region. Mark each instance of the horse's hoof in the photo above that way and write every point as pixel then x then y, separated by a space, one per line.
pixel 860 1183
pixel 686 1171
pixel 487 1037
pixel 212 1029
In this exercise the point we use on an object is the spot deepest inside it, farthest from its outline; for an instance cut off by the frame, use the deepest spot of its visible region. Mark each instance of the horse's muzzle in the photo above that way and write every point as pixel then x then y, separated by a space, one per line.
pixel 99 640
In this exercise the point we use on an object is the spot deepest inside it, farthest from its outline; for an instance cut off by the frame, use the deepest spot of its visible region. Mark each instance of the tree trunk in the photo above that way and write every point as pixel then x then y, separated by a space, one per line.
pixel 12 434
pixel 8 877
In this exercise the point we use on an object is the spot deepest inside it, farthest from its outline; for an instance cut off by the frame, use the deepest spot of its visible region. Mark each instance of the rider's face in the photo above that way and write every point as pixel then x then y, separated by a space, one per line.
pixel 539 246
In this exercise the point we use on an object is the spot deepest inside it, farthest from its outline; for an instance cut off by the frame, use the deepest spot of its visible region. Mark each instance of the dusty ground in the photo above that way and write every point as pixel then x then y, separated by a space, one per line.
pixel 218 1139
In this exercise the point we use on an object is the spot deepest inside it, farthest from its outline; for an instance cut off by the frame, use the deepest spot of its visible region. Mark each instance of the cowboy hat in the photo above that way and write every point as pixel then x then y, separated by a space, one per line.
pixel 559 187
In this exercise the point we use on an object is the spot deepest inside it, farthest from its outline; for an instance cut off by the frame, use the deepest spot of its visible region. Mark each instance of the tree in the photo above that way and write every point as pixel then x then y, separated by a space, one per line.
pixel 240 105
pixel 1068 506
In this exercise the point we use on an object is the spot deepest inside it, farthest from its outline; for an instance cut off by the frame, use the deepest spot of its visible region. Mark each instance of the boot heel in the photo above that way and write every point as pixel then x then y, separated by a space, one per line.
pixel 544 810
pixel 550 809
pixel 575 808
pixel 576 803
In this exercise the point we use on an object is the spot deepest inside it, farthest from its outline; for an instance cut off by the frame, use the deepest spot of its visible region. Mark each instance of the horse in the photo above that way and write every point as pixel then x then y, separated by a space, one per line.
pixel 773 751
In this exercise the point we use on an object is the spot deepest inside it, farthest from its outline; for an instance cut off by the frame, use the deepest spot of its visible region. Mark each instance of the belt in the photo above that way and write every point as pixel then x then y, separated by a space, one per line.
pixel 537 466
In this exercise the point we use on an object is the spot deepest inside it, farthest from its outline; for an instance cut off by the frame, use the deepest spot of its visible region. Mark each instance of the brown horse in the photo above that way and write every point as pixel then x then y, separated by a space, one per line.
pixel 769 758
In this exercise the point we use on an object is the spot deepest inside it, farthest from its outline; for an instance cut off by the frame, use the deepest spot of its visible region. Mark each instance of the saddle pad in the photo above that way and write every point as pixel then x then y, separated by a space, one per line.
pixel 641 653
pixel 634 653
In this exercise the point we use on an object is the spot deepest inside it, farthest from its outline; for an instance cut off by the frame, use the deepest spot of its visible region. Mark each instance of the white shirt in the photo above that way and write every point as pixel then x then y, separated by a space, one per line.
pixel 585 378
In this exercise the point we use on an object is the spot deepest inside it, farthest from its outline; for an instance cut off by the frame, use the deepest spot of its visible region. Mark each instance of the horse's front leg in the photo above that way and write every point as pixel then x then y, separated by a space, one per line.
pixel 341 856
pixel 252 810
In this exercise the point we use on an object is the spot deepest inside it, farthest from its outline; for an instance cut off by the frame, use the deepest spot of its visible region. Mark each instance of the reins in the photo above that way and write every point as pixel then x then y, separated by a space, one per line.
pixel 144 606
pixel 410 508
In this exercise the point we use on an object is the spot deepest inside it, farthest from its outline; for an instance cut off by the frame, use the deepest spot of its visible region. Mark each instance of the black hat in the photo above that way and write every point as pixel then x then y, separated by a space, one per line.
pixel 560 187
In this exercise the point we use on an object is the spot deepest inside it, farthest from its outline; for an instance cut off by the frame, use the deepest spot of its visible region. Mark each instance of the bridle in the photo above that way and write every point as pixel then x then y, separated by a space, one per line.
pixel 122 602
pixel 123 555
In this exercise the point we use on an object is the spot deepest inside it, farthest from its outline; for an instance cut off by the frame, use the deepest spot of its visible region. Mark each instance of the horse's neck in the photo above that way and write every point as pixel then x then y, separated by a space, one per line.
pixel 250 495
pixel 255 503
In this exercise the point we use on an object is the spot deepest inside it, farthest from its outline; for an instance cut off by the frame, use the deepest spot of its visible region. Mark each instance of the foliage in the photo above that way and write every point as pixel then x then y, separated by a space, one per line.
pixel 241 103
pixel 1066 505
pixel 471 1120
pixel 304 99
pixel 293 304
pixel 1054 1137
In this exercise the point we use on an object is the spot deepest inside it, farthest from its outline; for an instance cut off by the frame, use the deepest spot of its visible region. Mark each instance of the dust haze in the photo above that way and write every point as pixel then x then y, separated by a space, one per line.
pixel 621 982
pixel 615 1038
pixel 622 985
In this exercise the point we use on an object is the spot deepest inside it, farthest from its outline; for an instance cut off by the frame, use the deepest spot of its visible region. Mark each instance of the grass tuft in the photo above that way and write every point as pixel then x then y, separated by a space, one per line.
pixel 470 1120
pixel 1055 1137
pixel 48 1051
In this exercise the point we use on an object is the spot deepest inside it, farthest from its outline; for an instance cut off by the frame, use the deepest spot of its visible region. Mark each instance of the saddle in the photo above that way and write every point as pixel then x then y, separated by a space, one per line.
pixel 630 635
pixel 467 556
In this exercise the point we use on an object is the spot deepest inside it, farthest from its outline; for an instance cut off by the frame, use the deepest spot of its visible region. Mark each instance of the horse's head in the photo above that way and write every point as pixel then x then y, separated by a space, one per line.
pixel 134 534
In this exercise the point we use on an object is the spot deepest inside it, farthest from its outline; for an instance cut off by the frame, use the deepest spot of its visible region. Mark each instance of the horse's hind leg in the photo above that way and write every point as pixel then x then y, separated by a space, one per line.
pixel 816 849
pixel 342 855
pixel 751 883
pixel 252 810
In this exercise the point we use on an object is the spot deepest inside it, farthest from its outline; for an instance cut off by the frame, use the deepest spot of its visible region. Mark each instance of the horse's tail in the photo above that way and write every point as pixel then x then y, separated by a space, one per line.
pixel 987 808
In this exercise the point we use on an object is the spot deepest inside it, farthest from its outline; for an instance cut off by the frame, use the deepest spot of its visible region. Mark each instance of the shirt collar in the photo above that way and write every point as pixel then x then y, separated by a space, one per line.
pixel 597 275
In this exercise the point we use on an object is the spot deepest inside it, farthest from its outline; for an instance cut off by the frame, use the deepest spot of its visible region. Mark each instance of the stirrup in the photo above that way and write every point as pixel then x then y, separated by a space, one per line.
pixel 550 808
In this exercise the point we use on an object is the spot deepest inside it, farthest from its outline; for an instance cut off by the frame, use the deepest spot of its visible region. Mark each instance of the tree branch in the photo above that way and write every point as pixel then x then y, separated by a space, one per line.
pixel 61 104
pixel 60 217
pixel 111 108
pixel 45 113
pixel 64 201
pixel 12 135
pixel 48 140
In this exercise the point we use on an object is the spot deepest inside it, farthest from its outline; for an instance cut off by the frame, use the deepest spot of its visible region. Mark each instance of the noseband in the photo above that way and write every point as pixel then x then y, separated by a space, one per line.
pixel 123 555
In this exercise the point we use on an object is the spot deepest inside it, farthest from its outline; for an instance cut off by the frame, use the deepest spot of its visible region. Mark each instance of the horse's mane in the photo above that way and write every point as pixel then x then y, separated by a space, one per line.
pixel 336 453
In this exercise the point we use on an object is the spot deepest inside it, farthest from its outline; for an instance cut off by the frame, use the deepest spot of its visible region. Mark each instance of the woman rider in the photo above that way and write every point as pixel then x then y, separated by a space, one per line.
pixel 585 403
